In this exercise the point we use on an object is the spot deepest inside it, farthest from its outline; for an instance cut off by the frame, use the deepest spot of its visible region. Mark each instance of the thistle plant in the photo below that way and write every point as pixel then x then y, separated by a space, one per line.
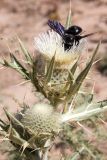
pixel 33 130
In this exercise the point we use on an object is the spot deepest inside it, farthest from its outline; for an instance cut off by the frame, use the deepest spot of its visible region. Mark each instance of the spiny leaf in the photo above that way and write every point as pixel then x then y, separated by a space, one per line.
pixel 102 103
pixel 3 125
pixel 71 73
pixel 16 65
pixel 23 71
pixel 15 137
pixel 12 65
pixel 85 112
pixel 83 99
pixel 12 118
pixel 89 151
pixel 24 146
pixel 74 67
pixel 50 69
pixel 25 52
pixel 90 106
pixel 6 64
pixel 69 18
pixel 70 78
pixel 2 122
pixel 78 82
pixel 76 155
pixel 38 84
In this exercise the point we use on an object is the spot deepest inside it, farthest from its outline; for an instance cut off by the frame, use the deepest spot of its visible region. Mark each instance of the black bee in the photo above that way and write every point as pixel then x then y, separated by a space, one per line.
pixel 70 36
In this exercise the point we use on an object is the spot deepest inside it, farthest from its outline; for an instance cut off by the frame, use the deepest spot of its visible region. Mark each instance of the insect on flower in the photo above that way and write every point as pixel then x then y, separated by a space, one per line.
pixel 70 36
pixel 52 42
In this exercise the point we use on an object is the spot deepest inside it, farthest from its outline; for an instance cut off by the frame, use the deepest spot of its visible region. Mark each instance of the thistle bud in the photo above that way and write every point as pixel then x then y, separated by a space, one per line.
pixel 41 119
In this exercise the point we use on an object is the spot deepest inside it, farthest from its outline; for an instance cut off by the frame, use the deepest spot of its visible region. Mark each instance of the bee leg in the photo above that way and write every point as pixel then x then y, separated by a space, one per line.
pixel 77 42
pixel 67 46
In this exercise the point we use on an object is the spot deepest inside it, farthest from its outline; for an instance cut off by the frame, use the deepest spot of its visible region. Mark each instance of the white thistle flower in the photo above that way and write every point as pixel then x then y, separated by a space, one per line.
pixel 50 43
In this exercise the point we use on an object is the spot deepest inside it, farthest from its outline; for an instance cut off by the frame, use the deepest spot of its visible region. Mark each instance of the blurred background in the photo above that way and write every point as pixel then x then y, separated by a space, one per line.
pixel 29 18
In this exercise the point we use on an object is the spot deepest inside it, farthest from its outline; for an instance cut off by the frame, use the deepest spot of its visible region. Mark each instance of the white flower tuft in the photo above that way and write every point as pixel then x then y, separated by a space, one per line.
pixel 50 43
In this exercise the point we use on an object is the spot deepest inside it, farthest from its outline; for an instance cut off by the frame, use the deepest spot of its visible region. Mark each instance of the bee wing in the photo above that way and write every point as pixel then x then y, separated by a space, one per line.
pixel 57 27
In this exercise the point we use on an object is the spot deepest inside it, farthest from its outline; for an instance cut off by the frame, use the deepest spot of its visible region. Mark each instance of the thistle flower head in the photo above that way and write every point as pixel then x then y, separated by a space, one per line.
pixel 41 119
pixel 50 43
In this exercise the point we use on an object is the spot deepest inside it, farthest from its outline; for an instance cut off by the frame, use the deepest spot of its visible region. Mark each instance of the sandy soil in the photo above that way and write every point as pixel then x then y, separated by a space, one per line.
pixel 28 18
